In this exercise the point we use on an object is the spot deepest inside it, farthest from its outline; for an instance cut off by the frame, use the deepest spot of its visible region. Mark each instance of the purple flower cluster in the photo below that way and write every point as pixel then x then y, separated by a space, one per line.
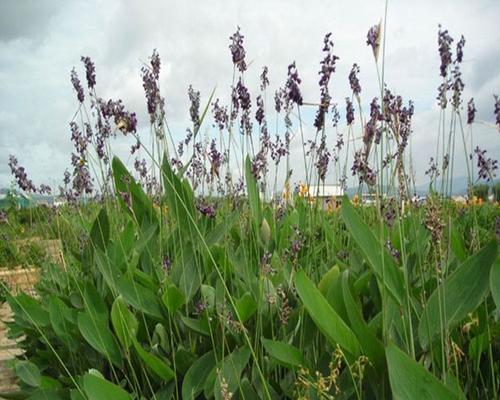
pixel 457 87
pixel 471 111
pixel 124 120
pixel 150 83
pixel 194 109
pixel 206 209
pixel 444 46
pixel 323 160
pixel 361 168
pixel 141 167
pixel 486 166
pixel 325 73
pixel 77 85
pixel 496 111
pixel 20 175
pixel 278 150
pixel 292 88
pixel 349 115
pixel 220 115
pixel 45 189
pixel 89 71
pixel 460 50
pixel 215 160
pixel 354 81
pixel 433 171
pixel 237 50
pixel 264 80
pixel 373 39
pixel 245 103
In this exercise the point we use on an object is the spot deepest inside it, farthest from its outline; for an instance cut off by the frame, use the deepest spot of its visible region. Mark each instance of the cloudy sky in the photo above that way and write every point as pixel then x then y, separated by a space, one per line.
pixel 40 41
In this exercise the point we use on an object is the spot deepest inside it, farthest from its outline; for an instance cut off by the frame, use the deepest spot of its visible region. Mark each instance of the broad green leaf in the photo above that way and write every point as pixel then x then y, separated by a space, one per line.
pixel 495 282
pixel 29 309
pixel 28 373
pixel 179 196
pixel 141 205
pixel 462 292
pixel 155 363
pixel 195 377
pixel 97 388
pixel 99 234
pixel 323 315
pixel 327 279
pixel 197 325
pixel 371 346
pixel 253 194
pixel 386 270
pixel 173 298
pixel 94 303
pixel 60 317
pixel 139 297
pixel 284 353
pixel 219 231
pixel 124 322
pixel 246 307
pixel 410 380
pixel 230 369
pixel 96 332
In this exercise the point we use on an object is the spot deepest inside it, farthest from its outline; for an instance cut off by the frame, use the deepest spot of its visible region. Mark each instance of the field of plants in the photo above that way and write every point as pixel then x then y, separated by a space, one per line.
pixel 211 270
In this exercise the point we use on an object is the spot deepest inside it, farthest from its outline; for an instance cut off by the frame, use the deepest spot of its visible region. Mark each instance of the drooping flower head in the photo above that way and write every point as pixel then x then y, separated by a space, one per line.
pixel 373 39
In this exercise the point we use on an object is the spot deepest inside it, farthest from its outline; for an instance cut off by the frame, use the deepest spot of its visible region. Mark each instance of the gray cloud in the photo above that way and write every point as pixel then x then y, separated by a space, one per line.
pixel 41 41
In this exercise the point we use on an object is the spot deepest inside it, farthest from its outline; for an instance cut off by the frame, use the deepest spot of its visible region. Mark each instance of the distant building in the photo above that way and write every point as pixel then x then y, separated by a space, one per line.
pixel 328 195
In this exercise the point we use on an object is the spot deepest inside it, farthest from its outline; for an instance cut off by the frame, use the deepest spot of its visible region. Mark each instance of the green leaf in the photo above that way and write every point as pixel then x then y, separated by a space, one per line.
pixel 371 346
pixel 221 230
pixel 96 332
pixel 230 370
pixel 383 265
pixel 195 377
pixel 410 380
pixel 179 196
pixel 173 298
pixel 328 279
pixel 60 316
pixel 124 322
pixel 28 373
pixel 94 303
pixel 99 234
pixel 495 282
pixel 197 325
pixel 462 293
pixel 323 315
pixel 253 194
pixel 155 363
pixel 29 309
pixel 246 307
pixel 142 207
pixel 139 297
pixel 285 354
pixel 98 388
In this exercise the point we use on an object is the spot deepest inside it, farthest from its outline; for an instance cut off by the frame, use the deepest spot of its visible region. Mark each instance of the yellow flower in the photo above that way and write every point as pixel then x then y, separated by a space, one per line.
pixel 355 200
pixel 303 190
